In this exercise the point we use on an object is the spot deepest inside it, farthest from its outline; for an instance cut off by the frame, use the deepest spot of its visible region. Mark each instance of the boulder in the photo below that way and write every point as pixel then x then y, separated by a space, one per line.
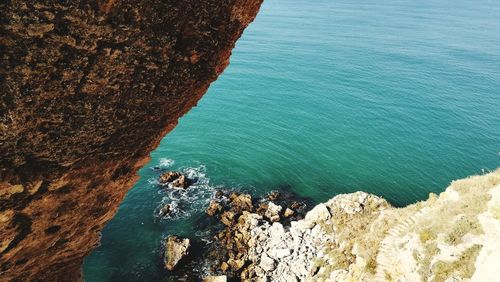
pixel 176 249
pixel 262 208
pixel 241 202
pixel 295 205
pixel 214 208
pixel 181 182
pixel 177 179
pixel 273 196
pixel 318 214
pixel 227 218
pixel 267 263
pixel 233 196
pixel 288 212
pixel 272 212
pixel 219 194
pixel 220 278
pixel 169 177
pixel 224 266
pixel 166 210
pixel 236 264
pixel 280 253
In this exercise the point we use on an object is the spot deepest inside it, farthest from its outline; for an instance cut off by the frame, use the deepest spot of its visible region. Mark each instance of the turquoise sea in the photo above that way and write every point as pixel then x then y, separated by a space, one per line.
pixel 322 97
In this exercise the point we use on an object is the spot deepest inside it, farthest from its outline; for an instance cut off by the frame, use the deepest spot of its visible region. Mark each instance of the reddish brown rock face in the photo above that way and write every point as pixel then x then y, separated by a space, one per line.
pixel 87 90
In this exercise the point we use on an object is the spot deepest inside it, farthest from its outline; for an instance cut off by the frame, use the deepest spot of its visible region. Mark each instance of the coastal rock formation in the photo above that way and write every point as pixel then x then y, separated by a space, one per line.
pixel 238 215
pixel 169 176
pixel 175 179
pixel 88 89
pixel 360 237
pixel 213 208
pixel 175 249
pixel 292 254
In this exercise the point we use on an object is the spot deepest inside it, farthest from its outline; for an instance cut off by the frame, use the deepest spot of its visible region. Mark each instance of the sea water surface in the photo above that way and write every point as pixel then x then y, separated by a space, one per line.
pixel 322 97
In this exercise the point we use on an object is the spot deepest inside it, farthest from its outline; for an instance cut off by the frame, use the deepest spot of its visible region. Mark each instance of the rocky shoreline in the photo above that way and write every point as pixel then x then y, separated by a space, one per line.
pixel 357 237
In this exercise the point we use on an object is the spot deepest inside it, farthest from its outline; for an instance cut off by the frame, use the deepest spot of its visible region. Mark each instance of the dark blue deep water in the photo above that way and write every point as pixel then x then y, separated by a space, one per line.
pixel 397 98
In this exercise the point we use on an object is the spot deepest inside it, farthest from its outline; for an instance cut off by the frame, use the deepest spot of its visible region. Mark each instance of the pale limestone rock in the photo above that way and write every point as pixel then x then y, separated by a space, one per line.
pixel 279 253
pixel 266 263
pixel 272 212
pixel 318 214
pixel 360 237
pixel 488 261
pixel 338 275
pixel 221 278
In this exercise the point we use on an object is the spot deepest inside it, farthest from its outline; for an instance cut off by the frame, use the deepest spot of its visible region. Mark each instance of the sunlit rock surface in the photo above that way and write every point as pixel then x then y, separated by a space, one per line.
pixel 88 89
pixel 360 237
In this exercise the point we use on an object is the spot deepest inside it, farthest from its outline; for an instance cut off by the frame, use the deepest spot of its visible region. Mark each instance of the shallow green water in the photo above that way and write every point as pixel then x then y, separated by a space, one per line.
pixel 322 97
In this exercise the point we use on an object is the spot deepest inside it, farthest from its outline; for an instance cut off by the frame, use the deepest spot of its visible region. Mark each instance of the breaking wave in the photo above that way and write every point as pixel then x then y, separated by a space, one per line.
pixel 185 202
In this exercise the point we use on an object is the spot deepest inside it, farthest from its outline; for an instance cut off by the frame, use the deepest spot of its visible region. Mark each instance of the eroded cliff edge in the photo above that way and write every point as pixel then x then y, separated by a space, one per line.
pixel 88 89
pixel 453 236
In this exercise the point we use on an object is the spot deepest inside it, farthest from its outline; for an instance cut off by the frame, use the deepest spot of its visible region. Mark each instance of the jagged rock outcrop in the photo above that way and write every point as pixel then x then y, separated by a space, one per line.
pixel 360 237
pixel 175 249
pixel 88 89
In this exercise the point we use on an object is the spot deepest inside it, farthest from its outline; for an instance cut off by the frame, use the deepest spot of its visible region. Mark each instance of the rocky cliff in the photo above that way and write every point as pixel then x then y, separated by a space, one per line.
pixel 360 237
pixel 88 89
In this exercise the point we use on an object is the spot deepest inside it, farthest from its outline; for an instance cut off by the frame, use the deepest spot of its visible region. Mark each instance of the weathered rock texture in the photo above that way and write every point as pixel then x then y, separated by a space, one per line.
pixel 360 237
pixel 88 89
pixel 175 249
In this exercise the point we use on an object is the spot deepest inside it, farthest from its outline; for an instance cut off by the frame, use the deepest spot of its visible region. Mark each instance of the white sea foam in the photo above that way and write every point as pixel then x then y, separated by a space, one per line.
pixel 185 202
pixel 164 162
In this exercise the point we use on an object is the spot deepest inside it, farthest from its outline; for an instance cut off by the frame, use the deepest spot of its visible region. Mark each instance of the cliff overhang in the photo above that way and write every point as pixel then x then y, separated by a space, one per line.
pixel 88 90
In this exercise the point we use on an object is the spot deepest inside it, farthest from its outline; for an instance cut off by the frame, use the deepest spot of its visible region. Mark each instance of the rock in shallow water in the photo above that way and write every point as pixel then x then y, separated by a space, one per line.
pixel 241 202
pixel 176 248
pixel 288 212
pixel 169 177
pixel 181 182
pixel 165 210
pixel 227 218
pixel 177 179
pixel 272 212
pixel 213 208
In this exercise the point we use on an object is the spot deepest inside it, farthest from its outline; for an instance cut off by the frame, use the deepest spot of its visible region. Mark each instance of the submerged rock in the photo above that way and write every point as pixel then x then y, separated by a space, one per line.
pixel 166 210
pixel 296 205
pixel 175 249
pixel 273 196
